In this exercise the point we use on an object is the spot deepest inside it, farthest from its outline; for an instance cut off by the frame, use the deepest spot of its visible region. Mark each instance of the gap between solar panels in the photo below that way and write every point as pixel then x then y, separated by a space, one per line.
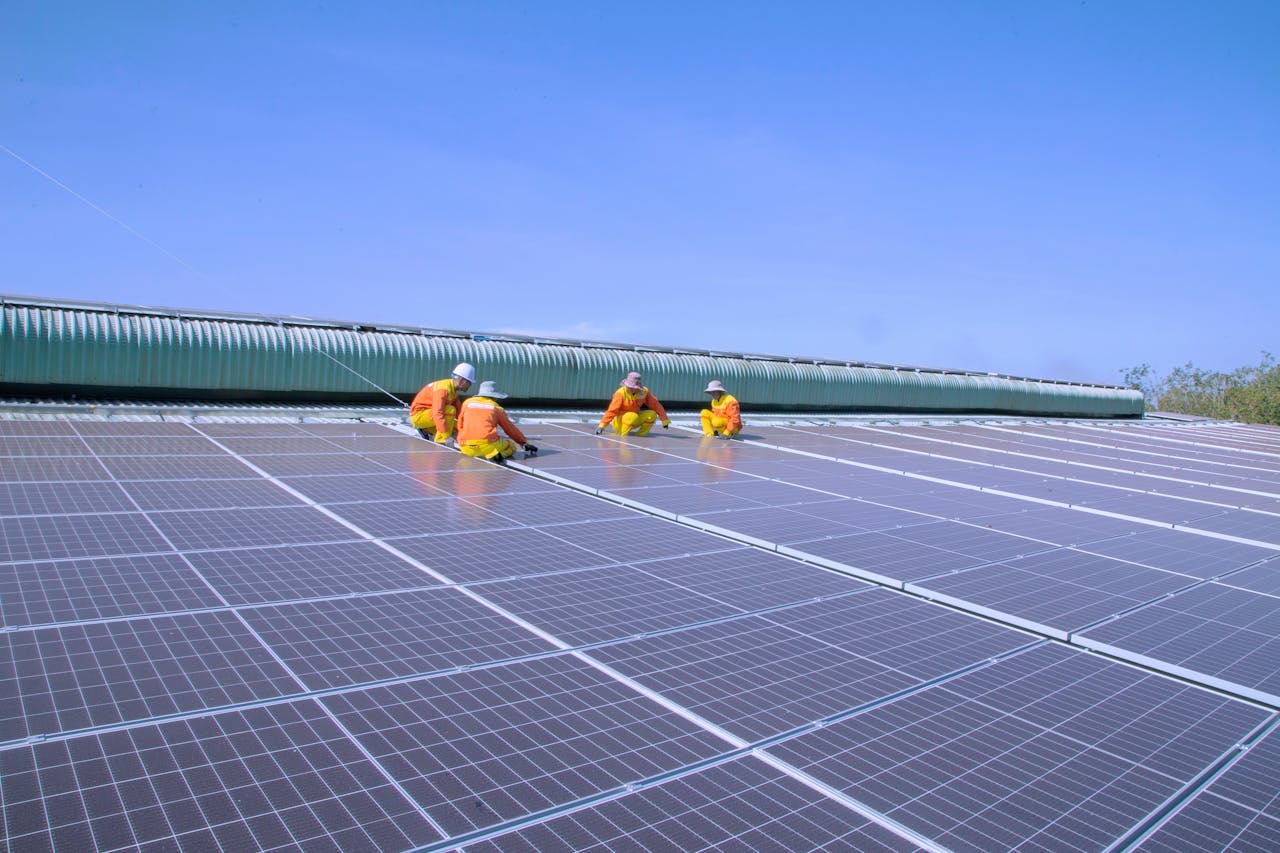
pixel 1099 444
pixel 1029 498
pixel 1070 638
pixel 1070 463
pixel 698 720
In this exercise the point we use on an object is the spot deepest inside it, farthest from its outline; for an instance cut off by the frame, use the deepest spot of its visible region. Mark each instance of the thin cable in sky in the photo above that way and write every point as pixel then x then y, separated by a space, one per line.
pixel 126 226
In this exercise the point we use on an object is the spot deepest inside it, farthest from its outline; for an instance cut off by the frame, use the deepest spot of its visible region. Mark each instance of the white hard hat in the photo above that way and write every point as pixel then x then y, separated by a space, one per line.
pixel 465 371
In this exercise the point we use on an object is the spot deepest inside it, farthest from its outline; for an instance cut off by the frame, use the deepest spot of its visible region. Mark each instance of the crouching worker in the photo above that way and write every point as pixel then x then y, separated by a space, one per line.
pixel 633 407
pixel 478 424
pixel 434 411
pixel 723 419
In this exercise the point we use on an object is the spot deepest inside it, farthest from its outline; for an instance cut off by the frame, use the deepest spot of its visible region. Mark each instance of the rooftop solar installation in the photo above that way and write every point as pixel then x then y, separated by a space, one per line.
pixel 298 633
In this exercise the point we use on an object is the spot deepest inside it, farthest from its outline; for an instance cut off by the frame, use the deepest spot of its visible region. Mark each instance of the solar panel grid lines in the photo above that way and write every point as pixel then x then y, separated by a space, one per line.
pixel 335 643
pixel 43 593
pixel 1233 811
pixel 32 538
pixel 249 576
pixel 743 803
pixel 75 677
pixel 1097 469
pixel 1130 453
pixel 1010 491
pixel 638 546
pixel 282 776
pixel 481 747
pixel 1056 483
pixel 1227 633
pixel 1044 786
pixel 40 447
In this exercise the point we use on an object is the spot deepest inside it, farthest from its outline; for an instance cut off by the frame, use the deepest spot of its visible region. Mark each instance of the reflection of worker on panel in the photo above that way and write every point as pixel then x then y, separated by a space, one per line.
pixel 633 407
pixel 478 424
pixel 435 409
pixel 723 419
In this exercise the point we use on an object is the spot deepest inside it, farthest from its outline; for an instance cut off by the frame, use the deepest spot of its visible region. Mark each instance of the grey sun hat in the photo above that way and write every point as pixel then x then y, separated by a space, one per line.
pixel 489 388
pixel 712 386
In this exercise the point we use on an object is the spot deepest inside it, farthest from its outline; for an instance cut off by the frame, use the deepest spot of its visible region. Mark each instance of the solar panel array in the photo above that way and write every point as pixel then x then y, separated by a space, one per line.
pixel 275 634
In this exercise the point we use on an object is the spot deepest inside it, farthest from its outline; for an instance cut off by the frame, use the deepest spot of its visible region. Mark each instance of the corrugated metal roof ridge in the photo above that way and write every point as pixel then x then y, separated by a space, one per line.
pixel 423 331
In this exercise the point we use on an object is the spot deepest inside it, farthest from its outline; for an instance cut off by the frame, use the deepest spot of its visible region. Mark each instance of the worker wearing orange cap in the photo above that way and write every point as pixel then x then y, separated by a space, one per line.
pixel 435 409
pixel 633 407
pixel 723 419
pixel 478 423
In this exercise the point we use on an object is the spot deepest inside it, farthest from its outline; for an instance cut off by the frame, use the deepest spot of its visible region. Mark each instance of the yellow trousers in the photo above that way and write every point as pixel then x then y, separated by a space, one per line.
pixel 627 421
pixel 422 420
pixel 713 423
pixel 504 447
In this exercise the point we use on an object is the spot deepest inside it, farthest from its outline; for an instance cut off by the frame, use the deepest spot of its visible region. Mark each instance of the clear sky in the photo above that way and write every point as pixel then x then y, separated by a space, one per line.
pixel 1056 189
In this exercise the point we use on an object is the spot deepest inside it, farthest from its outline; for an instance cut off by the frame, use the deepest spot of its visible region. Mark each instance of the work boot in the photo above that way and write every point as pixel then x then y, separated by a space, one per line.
pixel 428 436
pixel 496 459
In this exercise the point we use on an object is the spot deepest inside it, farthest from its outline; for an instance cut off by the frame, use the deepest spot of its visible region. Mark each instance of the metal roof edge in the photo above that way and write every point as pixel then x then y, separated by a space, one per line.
pixel 7 299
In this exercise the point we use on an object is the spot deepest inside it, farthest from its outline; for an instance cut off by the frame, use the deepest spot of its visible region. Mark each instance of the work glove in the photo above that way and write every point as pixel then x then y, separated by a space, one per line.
pixel 725 436
pixel 530 450
pixel 666 424
pixel 599 430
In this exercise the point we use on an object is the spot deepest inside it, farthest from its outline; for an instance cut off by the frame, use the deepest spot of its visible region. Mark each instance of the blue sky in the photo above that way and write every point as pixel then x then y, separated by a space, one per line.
pixel 1038 188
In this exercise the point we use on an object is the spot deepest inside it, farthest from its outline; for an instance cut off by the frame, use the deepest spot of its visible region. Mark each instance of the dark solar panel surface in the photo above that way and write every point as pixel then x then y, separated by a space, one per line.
pixel 1239 810
pixel 743 804
pixel 195 657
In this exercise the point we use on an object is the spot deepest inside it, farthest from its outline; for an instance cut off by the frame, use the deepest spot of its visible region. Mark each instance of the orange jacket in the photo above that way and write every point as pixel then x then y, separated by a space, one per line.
pixel 626 400
pixel 727 407
pixel 435 396
pixel 479 419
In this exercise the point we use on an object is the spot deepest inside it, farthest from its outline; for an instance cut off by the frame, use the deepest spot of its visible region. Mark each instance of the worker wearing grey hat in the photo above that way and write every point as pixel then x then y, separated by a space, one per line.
pixel 478 425
pixel 724 418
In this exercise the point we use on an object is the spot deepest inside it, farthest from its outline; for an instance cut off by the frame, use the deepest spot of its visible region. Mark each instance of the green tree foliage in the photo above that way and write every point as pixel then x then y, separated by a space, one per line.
pixel 1248 394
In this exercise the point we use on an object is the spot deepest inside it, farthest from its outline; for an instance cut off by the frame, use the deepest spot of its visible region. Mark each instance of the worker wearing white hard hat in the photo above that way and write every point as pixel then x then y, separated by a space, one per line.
pixel 434 411
pixel 724 418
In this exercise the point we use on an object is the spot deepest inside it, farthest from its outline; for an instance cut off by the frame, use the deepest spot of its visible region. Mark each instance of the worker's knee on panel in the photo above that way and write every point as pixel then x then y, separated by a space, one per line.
pixel 647 419
pixel 450 426
pixel 422 421
pixel 506 448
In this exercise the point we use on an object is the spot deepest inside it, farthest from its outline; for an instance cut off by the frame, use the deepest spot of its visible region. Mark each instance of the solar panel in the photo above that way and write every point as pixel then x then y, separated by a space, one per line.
pixel 1222 631
pixel 482 747
pixel 80 676
pixel 284 775
pixel 448 654
pixel 39 593
pixel 1022 753
pixel 742 804
pixel 285 573
pixel 334 643
pixel 1238 810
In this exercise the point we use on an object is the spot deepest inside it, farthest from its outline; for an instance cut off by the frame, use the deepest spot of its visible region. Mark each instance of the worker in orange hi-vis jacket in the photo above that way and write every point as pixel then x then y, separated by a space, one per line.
pixel 478 424
pixel 434 410
pixel 724 418
pixel 633 407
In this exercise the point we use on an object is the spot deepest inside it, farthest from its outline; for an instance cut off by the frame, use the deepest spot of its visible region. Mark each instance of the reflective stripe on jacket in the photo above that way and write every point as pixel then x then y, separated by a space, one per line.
pixel 479 419
pixel 435 396
pixel 626 400
pixel 727 407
